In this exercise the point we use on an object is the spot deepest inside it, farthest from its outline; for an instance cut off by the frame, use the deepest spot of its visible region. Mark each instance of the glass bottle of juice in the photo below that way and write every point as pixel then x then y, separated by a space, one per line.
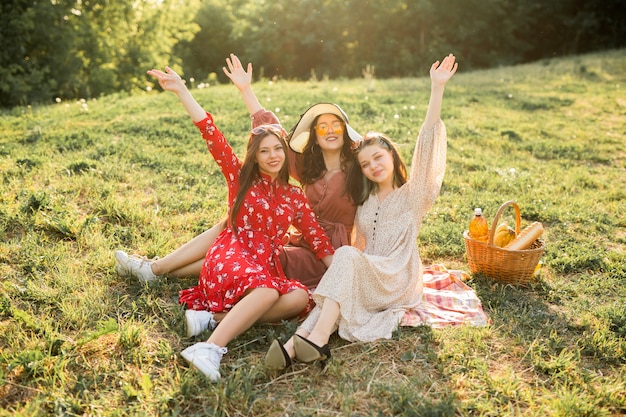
pixel 478 227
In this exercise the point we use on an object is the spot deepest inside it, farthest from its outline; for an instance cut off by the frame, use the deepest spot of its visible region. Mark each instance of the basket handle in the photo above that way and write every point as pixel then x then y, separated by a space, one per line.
pixel 494 224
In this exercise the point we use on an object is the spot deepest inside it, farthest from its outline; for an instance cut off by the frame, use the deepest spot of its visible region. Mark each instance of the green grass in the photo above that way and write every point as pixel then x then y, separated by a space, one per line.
pixel 80 180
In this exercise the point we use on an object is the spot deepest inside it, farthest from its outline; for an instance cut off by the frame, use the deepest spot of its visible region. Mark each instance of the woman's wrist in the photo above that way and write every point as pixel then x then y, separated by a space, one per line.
pixel 437 88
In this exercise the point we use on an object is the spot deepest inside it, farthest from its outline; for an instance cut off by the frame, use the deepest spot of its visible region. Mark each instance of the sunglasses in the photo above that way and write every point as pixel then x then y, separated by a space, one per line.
pixel 274 128
pixel 323 129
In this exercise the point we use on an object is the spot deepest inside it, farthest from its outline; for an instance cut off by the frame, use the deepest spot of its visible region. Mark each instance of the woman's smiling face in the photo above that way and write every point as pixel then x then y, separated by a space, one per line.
pixel 376 162
pixel 329 132
pixel 270 156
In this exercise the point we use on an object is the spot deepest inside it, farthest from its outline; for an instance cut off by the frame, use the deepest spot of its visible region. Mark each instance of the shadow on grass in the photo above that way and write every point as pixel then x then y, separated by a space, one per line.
pixel 536 317
pixel 521 312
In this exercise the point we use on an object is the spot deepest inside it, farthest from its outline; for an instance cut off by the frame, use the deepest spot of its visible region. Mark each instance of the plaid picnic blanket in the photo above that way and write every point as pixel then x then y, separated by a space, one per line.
pixel 447 301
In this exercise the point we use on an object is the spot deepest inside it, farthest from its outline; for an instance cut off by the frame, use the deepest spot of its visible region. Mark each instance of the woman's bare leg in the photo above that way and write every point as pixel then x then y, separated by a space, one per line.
pixel 287 306
pixel 187 260
pixel 326 323
pixel 243 315
pixel 283 307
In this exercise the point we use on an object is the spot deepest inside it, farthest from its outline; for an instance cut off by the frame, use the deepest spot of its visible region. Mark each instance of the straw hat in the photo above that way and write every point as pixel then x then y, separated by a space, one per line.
pixel 300 133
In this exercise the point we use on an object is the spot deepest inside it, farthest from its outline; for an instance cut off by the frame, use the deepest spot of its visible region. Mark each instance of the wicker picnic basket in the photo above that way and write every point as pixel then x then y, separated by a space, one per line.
pixel 509 266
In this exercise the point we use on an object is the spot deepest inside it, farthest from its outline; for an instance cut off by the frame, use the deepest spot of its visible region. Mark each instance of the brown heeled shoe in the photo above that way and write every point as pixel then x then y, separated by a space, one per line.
pixel 307 351
pixel 277 357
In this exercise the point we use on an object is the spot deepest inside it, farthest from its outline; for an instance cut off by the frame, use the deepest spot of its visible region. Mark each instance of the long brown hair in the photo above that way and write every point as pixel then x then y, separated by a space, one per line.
pixel 312 167
pixel 359 186
pixel 250 169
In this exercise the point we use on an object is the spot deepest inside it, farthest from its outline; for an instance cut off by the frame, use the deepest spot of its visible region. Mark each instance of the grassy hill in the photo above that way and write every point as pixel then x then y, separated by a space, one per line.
pixel 82 179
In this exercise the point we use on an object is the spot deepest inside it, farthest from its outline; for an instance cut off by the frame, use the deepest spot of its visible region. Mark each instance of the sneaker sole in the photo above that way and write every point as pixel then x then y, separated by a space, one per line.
pixel 191 325
pixel 122 259
pixel 189 357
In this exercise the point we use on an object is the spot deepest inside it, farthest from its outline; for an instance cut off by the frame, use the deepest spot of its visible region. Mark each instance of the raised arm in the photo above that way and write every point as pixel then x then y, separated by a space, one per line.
pixel 221 151
pixel 439 76
pixel 243 81
pixel 428 165
pixel 171 81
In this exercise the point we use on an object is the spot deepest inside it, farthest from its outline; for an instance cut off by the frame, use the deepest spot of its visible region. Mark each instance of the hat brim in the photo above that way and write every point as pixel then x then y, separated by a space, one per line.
pixel 301 131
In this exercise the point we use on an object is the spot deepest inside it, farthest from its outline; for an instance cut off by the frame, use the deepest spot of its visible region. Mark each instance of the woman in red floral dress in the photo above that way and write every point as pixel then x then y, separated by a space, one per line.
pixel 241 274
pixel 318 160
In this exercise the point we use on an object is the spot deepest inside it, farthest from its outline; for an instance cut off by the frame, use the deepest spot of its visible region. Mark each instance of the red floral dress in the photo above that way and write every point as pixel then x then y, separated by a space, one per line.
pixel 249 259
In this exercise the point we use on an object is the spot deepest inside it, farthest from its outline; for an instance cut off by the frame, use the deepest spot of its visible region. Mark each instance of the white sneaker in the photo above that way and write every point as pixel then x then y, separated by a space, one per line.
pixel 132 266
pixel 121 271
pixel 206 357
pixel 197 321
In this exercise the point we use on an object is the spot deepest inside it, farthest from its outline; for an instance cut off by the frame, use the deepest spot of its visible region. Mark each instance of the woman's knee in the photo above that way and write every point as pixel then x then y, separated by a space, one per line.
pixel 302 296
pixel 269 294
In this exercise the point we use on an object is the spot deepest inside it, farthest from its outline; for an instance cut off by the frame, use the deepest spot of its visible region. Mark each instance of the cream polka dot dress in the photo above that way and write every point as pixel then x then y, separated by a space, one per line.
pixel 379 278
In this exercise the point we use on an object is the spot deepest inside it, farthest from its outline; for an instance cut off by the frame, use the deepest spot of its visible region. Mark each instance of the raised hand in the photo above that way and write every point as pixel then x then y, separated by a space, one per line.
pixel 169 80
pixel 240 77
pixel 441 73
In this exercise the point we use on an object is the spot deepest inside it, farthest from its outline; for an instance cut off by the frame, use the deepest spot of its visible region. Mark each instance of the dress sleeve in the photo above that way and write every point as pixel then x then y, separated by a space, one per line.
pixel 306 221
pixel 264 117
pixel 222 152
pixel 428 167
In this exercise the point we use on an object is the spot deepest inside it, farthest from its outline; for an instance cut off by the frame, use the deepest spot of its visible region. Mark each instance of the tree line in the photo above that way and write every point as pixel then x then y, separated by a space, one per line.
pixel 70 49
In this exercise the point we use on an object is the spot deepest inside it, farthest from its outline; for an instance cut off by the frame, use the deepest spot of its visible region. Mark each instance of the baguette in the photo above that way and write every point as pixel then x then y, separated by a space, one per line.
pixel 526 237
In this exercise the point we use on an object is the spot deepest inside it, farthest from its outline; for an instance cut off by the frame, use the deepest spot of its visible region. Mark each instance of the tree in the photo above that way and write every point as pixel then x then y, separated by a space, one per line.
pixel 34 42
pixel 120 40
pixel 72 49
pixel 86 48
pixel 205 53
